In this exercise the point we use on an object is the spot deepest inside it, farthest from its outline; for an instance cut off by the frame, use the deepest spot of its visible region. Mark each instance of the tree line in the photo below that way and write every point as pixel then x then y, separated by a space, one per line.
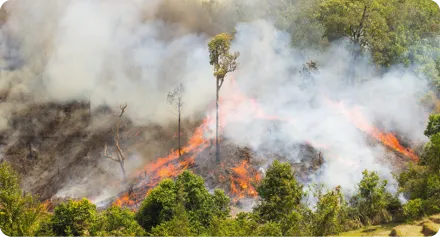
pixel 396 32
pixel 185 207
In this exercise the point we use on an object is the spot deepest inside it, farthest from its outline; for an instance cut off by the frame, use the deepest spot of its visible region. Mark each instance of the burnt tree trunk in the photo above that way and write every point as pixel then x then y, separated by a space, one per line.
pixel 179 145
pixel 124 175
pixel 217 147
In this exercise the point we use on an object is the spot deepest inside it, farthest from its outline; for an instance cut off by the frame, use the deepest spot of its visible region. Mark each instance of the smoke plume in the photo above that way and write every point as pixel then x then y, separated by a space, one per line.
pixel 113 52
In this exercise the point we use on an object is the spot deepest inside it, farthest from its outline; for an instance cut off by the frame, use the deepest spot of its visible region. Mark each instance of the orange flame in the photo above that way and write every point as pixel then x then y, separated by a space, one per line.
pixel 388 139
pixel 243 177
pixel 242 183
pixel 167 167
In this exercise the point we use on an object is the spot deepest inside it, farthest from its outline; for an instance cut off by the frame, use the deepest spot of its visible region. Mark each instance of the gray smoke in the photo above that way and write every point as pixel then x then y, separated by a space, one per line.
pixel 113 52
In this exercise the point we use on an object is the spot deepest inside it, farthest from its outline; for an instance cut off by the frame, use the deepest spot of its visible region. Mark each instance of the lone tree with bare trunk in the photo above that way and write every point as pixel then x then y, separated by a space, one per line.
pixel 117 156
pixel 174 98
pixel 223 62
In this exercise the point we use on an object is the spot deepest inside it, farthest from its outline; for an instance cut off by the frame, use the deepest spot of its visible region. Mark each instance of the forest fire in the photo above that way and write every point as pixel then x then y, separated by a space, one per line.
pixel 243 177
pixel 166 167
pixel 244 180
pixel 388 139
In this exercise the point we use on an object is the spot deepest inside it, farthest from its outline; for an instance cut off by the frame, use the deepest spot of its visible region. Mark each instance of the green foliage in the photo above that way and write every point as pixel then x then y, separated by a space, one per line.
pixel 269 229
pixel 220 57
pixel 117 221
pixel 422 181
pixel 244 224
pixel 372 199
pixel 414 181
pixel 19 213
pixel 433 125
pixel 45 228
pixel 280 193
pixel 158 205
pixel 364 22
pixel 330 213
pixel 179 225
pixel 298 19
pixel 413 210
pixel 74 218
pixel 298 222
pixel 431 153
pixel 393 31
pixel 188 190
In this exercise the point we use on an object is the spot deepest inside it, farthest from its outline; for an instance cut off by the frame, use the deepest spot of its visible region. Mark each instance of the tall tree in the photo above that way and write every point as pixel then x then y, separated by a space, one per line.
pixel 392 31
pixel 223 62
pixel 119 156
pixel 364 22
pixel 174 98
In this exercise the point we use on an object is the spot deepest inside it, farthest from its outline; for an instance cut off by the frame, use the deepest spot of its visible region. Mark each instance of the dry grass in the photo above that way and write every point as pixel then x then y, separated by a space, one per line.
pixel 430 228
pixel 435 218
pixel 376 230
pixel 425 227
pixel 406 230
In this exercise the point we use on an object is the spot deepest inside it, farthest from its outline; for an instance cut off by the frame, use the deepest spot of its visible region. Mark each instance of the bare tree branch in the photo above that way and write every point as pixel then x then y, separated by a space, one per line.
pixel 120 157
pixel 174 98
pixel 106 155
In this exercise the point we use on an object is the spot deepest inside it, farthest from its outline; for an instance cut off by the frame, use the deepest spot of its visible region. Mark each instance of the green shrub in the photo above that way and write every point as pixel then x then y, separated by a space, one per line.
pixel 413 210
pixel 372 199
pixel 189 191
pixel 76 218
pixel 20 213
pixel 117 221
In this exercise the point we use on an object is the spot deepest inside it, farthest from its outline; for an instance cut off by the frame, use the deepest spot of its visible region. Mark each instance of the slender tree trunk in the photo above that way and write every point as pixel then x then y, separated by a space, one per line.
pixel 121 163
pixel 217 147
pixel 179 108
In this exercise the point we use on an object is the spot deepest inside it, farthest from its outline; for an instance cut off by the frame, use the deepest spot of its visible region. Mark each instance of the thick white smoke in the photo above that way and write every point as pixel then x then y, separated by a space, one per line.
pixel 269 72
pixel 115 52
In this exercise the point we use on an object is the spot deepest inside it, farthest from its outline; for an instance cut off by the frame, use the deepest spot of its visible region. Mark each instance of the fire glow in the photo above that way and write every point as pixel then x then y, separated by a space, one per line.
pixel 388 139
pixel 244 177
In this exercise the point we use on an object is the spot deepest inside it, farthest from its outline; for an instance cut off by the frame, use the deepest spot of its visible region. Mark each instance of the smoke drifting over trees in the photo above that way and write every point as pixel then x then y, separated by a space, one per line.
pixel 134 51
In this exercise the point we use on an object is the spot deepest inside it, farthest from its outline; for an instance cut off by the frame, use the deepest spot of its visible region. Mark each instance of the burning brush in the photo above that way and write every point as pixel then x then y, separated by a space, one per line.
pixel 239 178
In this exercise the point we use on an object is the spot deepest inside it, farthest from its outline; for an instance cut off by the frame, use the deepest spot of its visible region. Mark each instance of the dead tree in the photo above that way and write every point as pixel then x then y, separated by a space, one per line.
pixel 117 156
pixel 174 98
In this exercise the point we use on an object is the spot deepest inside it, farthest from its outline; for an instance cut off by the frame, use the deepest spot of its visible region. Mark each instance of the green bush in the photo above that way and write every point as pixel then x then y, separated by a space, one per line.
pixel 280 193
pixel 433 126
pixel 77 218
pixel 372 200
pixel 413 210
pixel 200 207
pixel 330 215
pixel 117 221
pixel 20 214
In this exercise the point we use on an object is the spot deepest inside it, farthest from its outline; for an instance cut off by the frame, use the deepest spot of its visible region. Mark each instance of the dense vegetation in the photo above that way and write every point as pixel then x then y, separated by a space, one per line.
pixel 184 207
pixel 396 32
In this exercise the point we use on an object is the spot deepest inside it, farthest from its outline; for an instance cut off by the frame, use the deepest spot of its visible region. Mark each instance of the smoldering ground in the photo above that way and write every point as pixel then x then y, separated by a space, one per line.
pixel 114 52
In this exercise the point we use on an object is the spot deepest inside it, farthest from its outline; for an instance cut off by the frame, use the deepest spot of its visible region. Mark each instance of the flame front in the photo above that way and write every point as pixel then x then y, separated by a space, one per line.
pixel 243 177
pixel 244 180
pixel 388 139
